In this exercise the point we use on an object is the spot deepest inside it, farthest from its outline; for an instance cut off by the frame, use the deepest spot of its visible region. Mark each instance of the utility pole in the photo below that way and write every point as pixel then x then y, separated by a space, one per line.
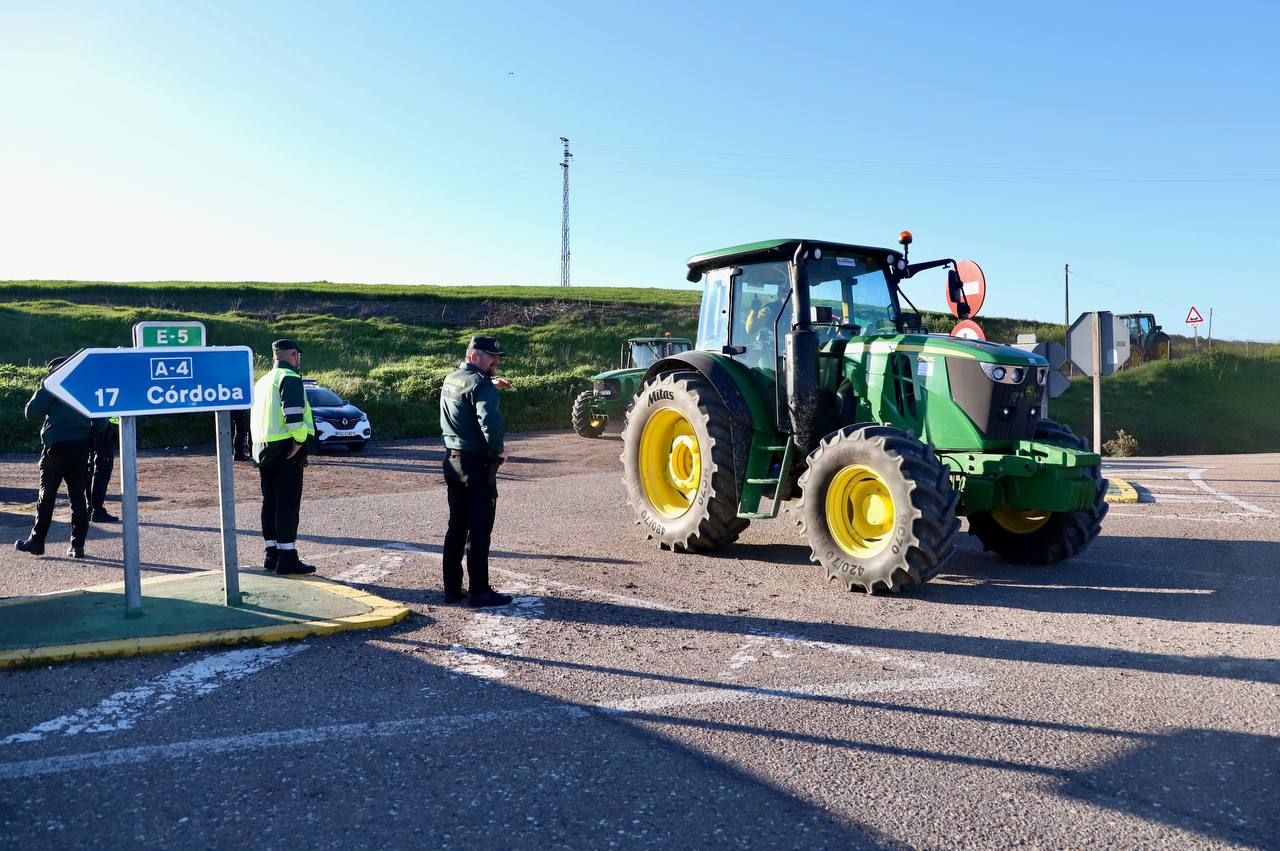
pixel 564 225
pixel 1211 329
pixel 1066 295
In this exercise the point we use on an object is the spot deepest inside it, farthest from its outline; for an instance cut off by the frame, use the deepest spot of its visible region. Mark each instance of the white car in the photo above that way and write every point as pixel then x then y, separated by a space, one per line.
pixel 338 422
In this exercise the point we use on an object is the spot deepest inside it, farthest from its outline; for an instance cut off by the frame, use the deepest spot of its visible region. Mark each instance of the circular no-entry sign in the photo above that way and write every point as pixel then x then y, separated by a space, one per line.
pixel 973 288
pixel 969 330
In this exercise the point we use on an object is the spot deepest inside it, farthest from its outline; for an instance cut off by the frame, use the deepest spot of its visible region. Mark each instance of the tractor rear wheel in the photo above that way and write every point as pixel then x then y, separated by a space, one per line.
pixel 1039 537
pixel 677 459
pixel 585 421
pixel 878 508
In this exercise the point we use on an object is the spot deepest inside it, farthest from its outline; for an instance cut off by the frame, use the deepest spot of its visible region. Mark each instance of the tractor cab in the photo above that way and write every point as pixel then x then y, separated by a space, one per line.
pixel 642 352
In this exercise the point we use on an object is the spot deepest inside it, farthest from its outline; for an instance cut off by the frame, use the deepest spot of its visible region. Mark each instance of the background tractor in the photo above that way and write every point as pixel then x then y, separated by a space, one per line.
pixel 611 392
pixel 1147 340
pixel 809 383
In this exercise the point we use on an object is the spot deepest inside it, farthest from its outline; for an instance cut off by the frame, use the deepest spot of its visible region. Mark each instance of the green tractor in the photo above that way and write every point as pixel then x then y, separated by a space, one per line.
pixel 810 383
pixel 611 392
pixel 1147 340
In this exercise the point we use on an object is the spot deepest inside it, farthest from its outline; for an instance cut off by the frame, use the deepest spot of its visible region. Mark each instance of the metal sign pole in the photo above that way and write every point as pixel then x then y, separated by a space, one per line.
pixel 227 498
pixel 1097 382
pixel 129 516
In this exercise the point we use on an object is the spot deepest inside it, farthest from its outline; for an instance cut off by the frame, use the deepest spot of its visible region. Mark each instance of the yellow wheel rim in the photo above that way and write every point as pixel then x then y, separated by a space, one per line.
pixel 670 462
pixel 596 422
pixel 860 511
pixel 1021 521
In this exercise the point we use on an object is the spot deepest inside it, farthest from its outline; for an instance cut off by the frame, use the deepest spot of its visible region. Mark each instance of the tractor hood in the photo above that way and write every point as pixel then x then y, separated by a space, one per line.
pixel 948 346
pixel 618 374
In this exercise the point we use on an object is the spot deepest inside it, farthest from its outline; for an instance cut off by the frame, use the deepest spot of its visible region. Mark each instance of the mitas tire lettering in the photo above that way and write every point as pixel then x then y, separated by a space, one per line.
pixel 660 396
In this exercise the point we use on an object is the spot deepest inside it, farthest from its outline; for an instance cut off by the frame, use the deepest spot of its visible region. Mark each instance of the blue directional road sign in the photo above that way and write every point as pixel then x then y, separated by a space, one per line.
pixel 144 382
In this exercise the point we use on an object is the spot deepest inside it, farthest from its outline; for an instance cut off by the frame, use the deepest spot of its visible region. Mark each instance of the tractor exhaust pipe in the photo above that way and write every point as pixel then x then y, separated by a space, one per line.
pixel 802 362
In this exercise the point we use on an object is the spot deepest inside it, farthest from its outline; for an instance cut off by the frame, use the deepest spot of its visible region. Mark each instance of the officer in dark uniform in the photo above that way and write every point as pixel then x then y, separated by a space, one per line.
pixel 473 432
pixel 102 457
pixel 65 435
pixel 240 435
pixel 280 422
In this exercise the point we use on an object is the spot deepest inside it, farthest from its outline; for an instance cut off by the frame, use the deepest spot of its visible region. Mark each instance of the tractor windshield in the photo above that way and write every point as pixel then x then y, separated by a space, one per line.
pixel 856 290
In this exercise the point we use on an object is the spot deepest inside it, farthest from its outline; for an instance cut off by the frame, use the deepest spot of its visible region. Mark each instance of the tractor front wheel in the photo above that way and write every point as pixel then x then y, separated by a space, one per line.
pixel 1044 537
pixel 585 421
pixel 677 459
pixel 878 508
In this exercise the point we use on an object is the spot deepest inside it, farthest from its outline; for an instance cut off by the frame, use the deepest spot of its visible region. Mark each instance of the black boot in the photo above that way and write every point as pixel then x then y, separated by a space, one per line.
pixel 488 597
pixel 289 563
pixel 101 515
pixel 454 596
pixel 270 559
pixel 76 550
pixel 30 545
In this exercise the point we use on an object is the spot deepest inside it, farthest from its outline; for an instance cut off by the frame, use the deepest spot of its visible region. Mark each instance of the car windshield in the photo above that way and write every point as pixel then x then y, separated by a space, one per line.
pixel 323 397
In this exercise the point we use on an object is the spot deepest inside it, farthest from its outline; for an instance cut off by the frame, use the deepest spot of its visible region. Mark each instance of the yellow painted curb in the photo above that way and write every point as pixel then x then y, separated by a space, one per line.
pixel 1118 490
pixel 381 613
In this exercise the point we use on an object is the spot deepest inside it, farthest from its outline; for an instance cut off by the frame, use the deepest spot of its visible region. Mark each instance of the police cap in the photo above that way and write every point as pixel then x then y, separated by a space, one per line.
pixel 285 345
pixel 488 345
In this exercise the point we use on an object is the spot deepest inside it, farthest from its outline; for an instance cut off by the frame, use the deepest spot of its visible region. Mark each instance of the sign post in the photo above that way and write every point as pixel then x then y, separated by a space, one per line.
pixel 1097 344
pixel 130 383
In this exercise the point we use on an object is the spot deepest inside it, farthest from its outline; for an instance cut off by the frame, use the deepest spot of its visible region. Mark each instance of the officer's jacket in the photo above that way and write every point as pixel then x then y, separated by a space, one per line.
pixel 61 421
pixel 469 417
pixel 281 415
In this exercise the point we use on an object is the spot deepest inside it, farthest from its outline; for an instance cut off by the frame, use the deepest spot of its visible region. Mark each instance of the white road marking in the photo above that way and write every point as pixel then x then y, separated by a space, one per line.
pixel 366 573
pixel 1207 488
pixel 122 710
pixel 415 729
pixel 496 631
pixel 1231 517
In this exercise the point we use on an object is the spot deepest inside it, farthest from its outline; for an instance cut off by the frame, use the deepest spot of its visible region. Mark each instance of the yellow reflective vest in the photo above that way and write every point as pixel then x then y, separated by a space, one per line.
pixel 270 420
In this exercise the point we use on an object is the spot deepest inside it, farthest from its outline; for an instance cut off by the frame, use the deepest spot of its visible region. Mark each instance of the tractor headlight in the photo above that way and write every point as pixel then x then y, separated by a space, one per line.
pixel 1018 374
pixel 1042 374
pixel 994 371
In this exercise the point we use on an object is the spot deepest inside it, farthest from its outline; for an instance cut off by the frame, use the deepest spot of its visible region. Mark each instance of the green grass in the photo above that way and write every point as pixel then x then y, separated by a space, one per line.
pixel 1219 401
pixel 390 368
pixel 387 347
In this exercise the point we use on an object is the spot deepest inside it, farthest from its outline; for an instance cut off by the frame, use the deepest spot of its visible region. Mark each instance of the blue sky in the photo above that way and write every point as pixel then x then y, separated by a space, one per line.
pixel 419 143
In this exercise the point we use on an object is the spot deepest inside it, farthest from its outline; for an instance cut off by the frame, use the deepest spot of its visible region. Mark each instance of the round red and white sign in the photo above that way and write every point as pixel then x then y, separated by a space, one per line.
pixel 973 288
pixel 969 330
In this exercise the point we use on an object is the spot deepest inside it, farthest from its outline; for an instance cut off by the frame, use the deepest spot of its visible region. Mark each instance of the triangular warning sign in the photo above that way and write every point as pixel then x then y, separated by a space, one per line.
pixel 1194 317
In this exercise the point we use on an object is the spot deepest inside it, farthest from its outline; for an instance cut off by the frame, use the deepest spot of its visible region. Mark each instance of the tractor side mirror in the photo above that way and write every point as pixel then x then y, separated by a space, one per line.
pixel 821 313
pixel 1159 328
pixel 955 291
pixel 914 321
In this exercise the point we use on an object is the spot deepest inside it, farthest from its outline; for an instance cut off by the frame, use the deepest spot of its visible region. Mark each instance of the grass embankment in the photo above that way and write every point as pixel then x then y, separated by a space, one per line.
pixel 385 348
pixel 1216 402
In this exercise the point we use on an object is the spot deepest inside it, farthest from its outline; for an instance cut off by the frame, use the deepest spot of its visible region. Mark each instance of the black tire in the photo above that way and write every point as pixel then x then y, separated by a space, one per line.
pixel 1064 534
pixel 710 519
pixel 921 536
pixel 1160 351
pixel 584 422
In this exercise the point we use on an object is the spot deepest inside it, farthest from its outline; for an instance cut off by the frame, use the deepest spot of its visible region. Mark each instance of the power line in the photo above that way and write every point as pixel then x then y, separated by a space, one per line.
pixel 898 164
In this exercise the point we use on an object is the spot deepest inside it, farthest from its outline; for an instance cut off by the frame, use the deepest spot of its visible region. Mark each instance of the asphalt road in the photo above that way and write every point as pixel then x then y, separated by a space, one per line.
pixel 639 698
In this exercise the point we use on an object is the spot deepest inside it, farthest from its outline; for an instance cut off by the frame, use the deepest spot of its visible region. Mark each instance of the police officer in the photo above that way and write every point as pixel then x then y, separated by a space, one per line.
pixel 102 456
pixel 473 432
pixel 64 435
pixel 280 422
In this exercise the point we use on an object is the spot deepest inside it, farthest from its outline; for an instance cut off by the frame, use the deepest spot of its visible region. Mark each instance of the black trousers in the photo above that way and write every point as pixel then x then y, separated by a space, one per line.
pixel 281 499
pixel 240 433
pixel 63 462
pixel 472 480
pixel 102 458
